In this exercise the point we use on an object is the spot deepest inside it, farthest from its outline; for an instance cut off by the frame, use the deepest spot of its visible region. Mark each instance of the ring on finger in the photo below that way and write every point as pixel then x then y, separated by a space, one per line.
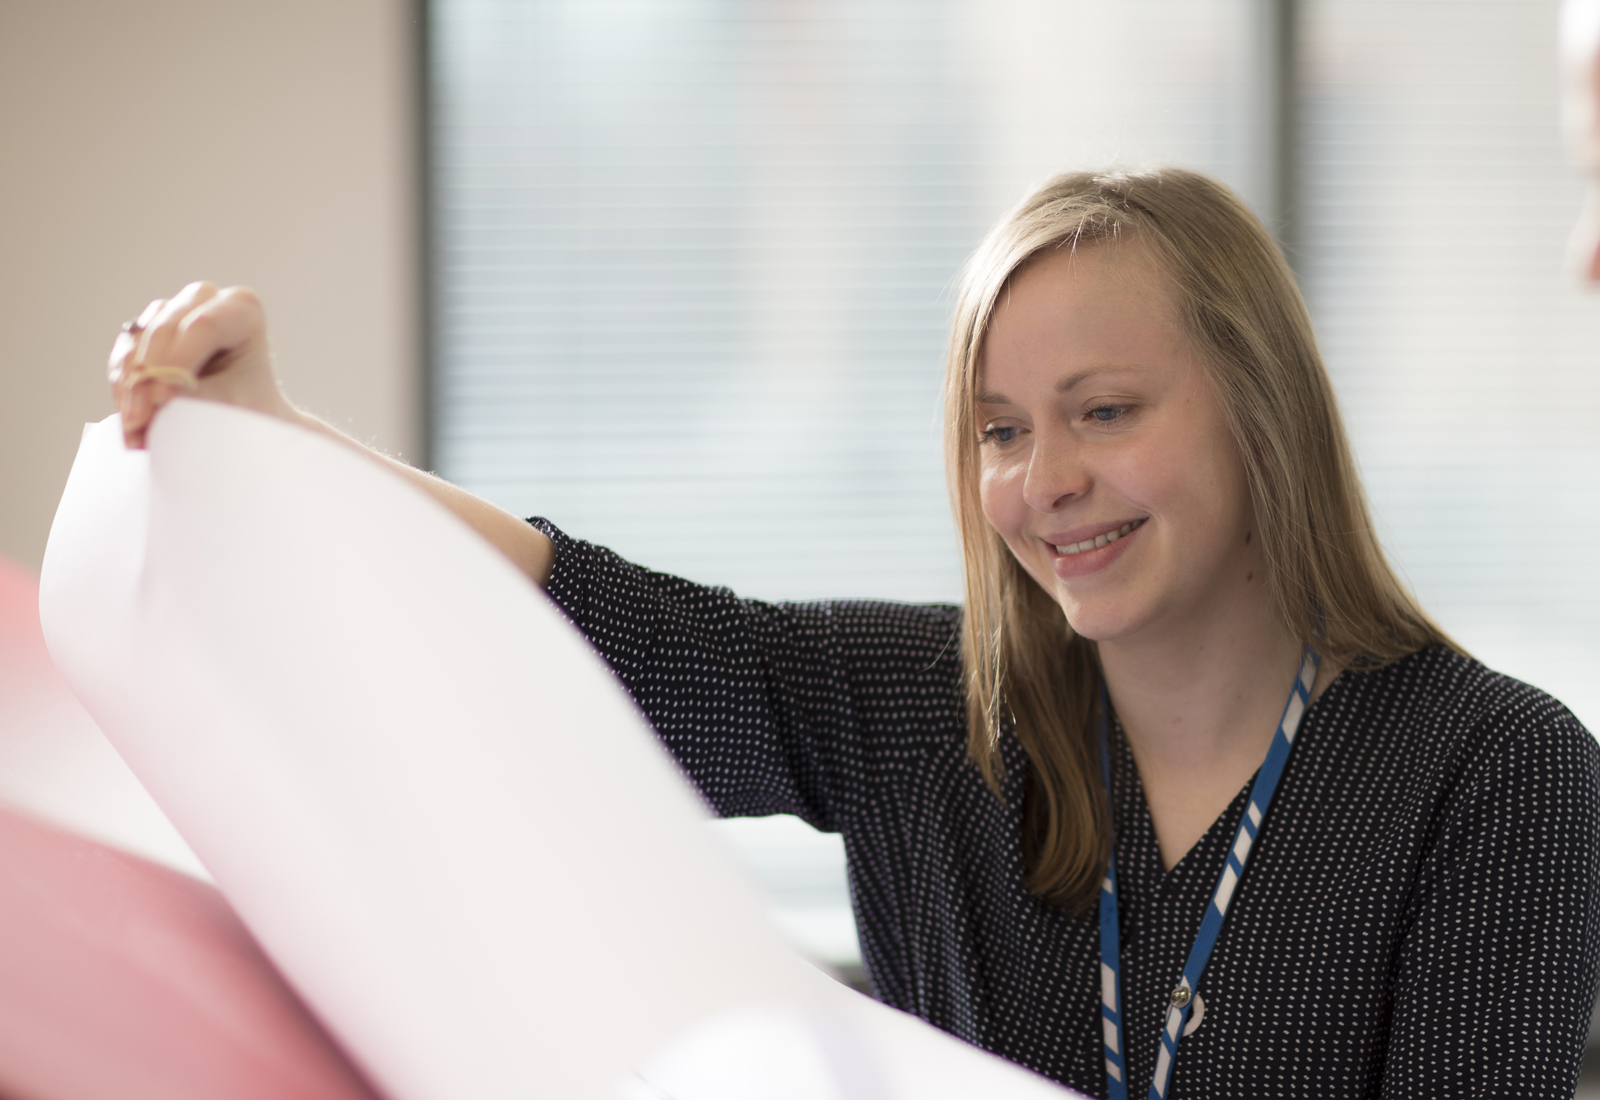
pixel 133 327
pixel 172 376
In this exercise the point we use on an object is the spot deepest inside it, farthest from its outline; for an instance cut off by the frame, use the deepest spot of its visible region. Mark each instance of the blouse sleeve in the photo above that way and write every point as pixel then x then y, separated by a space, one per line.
pixel 769 708
pixel 1498 959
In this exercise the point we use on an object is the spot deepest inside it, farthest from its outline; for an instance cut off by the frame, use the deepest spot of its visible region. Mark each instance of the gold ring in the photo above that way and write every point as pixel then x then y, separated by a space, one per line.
pixel 172 376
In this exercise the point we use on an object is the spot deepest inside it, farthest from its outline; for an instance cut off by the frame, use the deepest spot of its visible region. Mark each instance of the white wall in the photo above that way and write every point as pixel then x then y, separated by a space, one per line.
pixel 147 143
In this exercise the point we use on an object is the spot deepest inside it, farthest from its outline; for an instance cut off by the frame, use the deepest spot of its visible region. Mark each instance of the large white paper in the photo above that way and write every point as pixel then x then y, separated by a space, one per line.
pixel 426 796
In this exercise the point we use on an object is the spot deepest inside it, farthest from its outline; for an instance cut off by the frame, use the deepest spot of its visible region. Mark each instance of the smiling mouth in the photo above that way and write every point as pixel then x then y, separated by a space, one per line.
pixel 1099 540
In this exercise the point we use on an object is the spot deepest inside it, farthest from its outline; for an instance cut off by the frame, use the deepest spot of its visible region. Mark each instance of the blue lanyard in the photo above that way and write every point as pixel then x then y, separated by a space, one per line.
pixel 1249 828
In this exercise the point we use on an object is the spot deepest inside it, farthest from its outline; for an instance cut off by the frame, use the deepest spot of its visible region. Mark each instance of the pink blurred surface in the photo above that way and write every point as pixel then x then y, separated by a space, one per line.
pixel 120 977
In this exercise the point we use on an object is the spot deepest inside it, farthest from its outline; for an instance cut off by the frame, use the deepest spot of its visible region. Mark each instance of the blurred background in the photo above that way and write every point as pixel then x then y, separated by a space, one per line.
pixel 676 273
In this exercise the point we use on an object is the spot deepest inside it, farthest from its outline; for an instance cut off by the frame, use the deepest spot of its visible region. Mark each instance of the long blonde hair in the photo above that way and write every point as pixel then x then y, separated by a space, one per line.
pixel 1328 576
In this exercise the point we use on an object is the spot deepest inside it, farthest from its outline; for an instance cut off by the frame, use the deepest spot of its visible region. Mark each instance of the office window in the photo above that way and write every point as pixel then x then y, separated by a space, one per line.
pixel 696 258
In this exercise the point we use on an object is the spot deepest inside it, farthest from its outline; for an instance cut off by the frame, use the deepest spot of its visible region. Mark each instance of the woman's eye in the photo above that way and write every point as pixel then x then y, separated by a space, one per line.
pixel 1106 414
pixel 998 435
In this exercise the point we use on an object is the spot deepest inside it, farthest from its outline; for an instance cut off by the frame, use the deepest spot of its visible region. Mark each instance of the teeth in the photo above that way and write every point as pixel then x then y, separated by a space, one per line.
pixel 1098 541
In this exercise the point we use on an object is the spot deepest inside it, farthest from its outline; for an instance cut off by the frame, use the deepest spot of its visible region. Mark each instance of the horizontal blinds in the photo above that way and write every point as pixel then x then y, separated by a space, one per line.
pixel 696 259
pixel 1436 208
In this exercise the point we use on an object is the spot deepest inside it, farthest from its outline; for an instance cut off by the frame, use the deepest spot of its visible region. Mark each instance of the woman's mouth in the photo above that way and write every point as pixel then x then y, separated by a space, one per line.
pixel 1098 541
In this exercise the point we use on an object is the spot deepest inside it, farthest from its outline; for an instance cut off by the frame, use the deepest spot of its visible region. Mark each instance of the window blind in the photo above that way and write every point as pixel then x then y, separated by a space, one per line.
pixel 696 258
pixel 1437 202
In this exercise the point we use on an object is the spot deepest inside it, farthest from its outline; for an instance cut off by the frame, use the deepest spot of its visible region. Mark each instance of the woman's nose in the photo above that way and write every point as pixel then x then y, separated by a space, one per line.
pixel 1056 474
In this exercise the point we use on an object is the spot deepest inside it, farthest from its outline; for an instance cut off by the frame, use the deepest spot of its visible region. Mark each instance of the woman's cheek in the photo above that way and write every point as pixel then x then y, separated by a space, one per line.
pixel 1000 494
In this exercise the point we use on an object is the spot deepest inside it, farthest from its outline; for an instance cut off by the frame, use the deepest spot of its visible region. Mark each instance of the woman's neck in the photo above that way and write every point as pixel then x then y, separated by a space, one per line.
pixel 1199 707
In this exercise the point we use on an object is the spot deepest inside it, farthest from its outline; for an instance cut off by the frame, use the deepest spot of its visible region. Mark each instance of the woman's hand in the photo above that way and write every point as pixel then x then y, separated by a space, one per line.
pixel 213 344
pixel 208 342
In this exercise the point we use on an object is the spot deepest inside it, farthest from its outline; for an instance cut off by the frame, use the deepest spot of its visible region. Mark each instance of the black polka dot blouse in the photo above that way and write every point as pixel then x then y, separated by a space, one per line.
pixel 1418 919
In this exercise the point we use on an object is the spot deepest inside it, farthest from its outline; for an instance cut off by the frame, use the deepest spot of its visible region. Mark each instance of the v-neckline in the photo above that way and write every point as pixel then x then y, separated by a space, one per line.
pixel 1140 842
pixel 1139 851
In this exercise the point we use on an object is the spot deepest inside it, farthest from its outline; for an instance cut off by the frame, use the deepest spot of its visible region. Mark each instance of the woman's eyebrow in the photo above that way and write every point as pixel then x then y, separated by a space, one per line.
pixel 1071 381
pixel 1066 385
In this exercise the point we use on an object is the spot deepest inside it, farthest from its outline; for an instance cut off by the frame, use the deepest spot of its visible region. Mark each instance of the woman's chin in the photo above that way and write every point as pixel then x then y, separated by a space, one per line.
pixel 1095 610
pixel 1100 623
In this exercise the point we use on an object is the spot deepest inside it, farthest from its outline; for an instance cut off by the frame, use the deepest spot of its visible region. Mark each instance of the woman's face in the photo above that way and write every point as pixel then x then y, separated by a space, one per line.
pixel 1105 462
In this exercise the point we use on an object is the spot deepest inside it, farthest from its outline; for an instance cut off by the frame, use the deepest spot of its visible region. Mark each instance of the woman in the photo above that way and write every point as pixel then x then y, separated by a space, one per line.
pixel 1182 655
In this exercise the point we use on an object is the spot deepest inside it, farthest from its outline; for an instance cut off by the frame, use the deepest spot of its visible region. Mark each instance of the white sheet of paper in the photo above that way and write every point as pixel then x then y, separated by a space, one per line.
pixel 428 798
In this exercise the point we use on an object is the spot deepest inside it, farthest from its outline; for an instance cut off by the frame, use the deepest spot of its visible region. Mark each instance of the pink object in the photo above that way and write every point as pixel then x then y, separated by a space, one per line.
pixel 122 979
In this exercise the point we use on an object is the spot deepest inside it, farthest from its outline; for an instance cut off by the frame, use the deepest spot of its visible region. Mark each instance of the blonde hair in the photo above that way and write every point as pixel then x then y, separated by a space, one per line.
pixel 1328 576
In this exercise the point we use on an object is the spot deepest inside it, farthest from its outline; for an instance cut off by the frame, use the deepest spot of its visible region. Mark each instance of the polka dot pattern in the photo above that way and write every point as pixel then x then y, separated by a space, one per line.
pixel 1420 917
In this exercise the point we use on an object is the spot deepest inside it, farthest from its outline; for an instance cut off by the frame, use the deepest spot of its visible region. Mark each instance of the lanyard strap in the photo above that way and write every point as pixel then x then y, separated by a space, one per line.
pixel 1216 912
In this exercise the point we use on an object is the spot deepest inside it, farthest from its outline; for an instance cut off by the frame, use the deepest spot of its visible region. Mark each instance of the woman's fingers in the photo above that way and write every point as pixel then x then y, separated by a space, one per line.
pixel 148 317
pixel 208 335
pixel 162 331
pixel 134 407
pixel 142 382
pixel 130 338
pixel 200 333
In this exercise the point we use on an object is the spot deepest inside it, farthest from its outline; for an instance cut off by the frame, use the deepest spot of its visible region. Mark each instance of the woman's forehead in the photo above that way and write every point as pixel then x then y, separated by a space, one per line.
pixel 1070 313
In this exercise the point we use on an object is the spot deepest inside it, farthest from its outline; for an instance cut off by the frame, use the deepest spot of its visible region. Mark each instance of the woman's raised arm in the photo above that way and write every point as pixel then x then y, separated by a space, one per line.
pixel 212 344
